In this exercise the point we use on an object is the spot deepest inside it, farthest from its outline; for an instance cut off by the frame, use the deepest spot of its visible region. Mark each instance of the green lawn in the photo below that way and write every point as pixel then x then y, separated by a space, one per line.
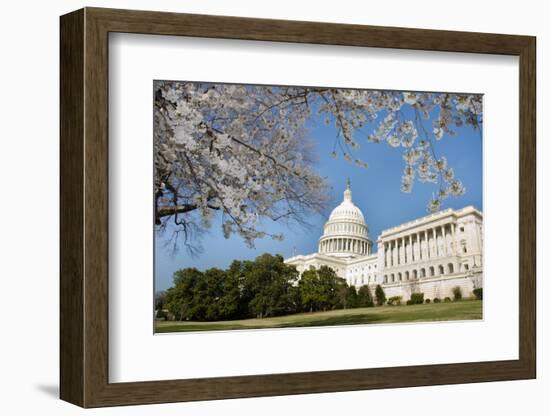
pixel 463 310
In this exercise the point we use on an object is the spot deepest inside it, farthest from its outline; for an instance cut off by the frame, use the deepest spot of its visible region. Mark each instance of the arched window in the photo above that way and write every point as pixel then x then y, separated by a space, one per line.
pixel 432 271
pixel 392 277
pixel 385 278
pixel 466 267
pixel 407 275
pixel 415 274
pixel 399 277
pixel 422 272
pixel 441 270
pixel 451 268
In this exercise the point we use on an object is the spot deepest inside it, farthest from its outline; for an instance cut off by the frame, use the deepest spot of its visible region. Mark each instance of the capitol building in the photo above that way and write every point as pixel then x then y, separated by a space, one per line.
pixel 431 255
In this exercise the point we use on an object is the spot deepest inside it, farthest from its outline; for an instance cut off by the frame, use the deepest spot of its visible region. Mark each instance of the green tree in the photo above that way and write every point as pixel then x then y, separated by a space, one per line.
pixel 321 289
pixel 380 295
pixel 352 300
pixel 230 305
pixel 364 297
pixel 309 290
pixel 269 286
pixel 180 297
pixel 211 293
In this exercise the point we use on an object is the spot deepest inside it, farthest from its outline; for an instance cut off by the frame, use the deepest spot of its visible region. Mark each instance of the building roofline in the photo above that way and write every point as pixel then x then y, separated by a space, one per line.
pixel 469 209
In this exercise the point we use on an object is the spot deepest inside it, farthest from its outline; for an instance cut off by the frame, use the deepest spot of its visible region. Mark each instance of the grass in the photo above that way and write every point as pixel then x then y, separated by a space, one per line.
pixel 451 311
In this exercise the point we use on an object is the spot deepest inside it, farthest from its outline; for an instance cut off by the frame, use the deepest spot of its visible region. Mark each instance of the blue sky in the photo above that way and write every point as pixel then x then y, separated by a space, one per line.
pixel 376 191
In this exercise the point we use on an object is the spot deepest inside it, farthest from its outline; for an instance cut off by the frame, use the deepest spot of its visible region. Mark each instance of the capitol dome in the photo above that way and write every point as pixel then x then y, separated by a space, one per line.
pixel 345 232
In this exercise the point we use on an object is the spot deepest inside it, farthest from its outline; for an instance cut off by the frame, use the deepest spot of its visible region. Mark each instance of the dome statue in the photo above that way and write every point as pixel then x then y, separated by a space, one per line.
pixel 345 232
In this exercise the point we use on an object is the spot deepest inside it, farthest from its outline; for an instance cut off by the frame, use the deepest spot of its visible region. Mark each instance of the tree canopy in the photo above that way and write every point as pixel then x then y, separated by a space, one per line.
pixel 261 288
pixel 243 150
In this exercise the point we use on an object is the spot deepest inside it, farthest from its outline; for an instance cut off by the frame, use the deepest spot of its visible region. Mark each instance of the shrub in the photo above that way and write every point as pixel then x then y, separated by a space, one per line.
pixel 364 297
pixel 427 301
pixel 447 299
pixel 417 298
pixel 409 302
pixel 478 293
pixel 437 300
pixel 380 295
pixel 457 293
pixel 395 300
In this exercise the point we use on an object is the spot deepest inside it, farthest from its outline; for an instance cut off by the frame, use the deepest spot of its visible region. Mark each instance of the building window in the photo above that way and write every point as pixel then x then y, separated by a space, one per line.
pixel 451 268
pixel 466 267
pixel 422 272
pixel 432 271
pixel 441 270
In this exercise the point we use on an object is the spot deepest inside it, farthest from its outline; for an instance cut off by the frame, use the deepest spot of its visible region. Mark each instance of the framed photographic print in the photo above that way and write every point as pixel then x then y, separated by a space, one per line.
pixel 256 207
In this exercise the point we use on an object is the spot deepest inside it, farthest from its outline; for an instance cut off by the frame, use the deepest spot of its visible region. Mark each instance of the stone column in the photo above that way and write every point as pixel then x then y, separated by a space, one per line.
pixel 397 252
pixel 444 238
pixel 427 244
pixel 453 239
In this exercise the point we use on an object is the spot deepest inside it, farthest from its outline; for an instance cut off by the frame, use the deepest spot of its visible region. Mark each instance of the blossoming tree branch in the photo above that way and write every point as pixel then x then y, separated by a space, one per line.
pixel 243 150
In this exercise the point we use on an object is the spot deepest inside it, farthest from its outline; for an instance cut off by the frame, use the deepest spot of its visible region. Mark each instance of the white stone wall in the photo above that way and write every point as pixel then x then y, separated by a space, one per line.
pixel 430 255
pixel 440 287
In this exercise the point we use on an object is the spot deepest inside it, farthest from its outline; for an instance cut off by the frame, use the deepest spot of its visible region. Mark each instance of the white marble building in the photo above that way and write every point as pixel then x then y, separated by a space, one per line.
pixel 432 254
